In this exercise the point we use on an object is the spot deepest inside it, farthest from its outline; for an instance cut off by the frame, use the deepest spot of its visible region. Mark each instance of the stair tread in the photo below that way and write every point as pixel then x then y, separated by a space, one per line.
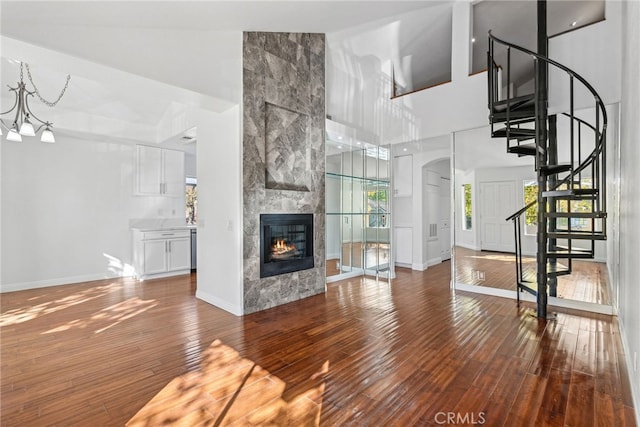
pixel 569 254
pixel 576 214
pixel 523 101
pixel 515 133
pixel 554 169
pixel 525 149
pixel 578 235
pixel 520 116
pixel 567 248
pixel 571 192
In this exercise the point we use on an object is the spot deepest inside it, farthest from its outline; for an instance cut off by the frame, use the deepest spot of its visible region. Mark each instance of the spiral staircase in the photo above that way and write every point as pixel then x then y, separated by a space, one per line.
pixel 570 206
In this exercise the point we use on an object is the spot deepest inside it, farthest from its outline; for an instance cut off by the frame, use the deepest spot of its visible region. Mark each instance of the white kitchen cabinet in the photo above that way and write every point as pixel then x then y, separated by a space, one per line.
pixel 179 254
pixel 160 172
pixel 161 253
pixel 403 176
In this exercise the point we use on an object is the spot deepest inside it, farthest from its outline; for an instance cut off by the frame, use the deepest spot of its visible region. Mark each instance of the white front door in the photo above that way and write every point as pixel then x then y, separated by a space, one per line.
pixel 497 202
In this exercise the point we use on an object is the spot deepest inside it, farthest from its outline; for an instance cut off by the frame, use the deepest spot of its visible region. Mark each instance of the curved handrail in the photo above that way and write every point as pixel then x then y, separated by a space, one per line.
pixel 562 67
pixel 599 104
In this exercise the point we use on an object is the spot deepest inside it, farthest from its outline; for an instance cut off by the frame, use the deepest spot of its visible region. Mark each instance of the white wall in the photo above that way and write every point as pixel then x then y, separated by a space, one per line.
pixel 359 78
pixel 594 52
pixel 66 209
pixel 629 292
pixel 220 209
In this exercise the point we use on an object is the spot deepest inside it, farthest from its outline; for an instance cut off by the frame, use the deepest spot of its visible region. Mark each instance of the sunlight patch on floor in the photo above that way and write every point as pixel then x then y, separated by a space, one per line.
pixel 113 314
pixel 24 314
pixel 228 389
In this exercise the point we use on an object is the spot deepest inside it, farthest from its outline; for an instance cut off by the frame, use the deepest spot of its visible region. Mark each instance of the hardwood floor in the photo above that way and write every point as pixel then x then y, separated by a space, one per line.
pixel 587 283
pixel 367 353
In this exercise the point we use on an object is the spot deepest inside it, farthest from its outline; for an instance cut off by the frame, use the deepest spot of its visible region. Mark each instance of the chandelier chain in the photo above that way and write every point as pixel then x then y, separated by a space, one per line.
pixel 44 101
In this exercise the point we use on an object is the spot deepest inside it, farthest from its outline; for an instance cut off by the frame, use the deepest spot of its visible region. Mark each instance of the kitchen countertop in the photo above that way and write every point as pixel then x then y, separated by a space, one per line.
pixel 153 224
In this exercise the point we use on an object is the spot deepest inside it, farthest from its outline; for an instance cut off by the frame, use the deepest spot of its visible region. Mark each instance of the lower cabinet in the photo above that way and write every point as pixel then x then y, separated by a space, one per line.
pixel 161 253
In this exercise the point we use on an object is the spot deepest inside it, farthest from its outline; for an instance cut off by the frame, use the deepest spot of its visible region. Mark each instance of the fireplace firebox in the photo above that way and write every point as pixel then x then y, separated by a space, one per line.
pixel 286 243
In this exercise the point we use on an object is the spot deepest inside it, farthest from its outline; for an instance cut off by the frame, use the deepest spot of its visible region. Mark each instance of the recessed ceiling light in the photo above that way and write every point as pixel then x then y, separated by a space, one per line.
pixel 339 136
pixel 574 23
pixel 404 149
pixel 340 147
pixel 359 143
pixel 473 40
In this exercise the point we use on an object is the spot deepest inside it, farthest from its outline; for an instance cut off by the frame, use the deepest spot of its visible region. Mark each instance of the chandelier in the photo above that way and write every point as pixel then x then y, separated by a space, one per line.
pixel 22 124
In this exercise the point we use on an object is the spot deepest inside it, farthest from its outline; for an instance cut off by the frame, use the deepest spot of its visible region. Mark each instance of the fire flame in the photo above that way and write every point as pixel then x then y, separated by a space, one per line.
pixel 282 247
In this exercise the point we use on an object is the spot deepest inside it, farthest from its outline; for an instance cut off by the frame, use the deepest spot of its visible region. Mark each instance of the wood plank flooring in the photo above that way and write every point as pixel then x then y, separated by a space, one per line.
pixel 367 353
pixel 587 283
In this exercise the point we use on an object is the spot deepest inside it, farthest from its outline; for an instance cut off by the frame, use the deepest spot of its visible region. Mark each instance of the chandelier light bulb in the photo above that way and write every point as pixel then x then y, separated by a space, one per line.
pixel 13 135
pixel 26 128
pixel 47 136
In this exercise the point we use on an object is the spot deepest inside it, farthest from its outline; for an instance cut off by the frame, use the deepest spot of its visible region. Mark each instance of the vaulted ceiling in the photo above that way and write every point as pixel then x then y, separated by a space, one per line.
pixel 134 62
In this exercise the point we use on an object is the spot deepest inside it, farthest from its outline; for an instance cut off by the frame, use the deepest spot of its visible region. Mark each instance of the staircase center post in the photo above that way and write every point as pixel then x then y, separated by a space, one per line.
pixel 542 98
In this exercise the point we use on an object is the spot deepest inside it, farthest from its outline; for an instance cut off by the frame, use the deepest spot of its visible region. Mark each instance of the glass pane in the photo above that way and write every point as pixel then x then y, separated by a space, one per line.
pixel 346 261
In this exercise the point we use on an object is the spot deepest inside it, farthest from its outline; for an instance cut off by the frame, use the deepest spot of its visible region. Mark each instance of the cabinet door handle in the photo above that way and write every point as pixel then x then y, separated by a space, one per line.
pixel 169 246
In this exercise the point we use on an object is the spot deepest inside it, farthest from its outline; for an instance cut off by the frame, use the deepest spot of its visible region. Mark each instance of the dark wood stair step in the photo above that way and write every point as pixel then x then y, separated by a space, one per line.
pixel 519 102
pixel 575 214
pixel 520 134
pixel 577 235
pixel 573 254
pixel 572 193
pixel 521 115
pixel 554 169
pixel 523 149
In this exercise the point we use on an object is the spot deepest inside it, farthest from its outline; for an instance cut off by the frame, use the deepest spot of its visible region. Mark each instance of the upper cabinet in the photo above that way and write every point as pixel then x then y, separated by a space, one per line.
pixel 160 172
pixel 403 176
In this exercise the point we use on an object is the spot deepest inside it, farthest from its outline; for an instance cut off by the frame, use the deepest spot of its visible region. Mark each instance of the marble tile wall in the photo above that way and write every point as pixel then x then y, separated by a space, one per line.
pixel 283 154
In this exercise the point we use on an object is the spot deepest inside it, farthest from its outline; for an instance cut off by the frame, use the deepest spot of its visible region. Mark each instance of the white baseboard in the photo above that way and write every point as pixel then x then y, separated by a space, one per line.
pixel 425 265
pixel 635 387
pixel 161 275
pixel 467 246
pixel 420 267
pixel 221 304
pixel 346 275
pixel 23 286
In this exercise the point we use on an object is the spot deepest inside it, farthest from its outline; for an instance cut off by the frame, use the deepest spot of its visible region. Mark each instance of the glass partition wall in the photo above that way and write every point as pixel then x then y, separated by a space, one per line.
pixel 358 211
pixel 489 185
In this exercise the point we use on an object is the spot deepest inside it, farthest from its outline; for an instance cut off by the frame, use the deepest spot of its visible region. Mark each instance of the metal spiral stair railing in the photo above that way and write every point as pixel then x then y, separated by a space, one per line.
pixel 516 113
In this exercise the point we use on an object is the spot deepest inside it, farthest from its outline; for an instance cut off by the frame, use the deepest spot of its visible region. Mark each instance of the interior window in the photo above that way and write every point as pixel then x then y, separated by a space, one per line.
pixel 531 215
pixel 467 208
pixel 191 199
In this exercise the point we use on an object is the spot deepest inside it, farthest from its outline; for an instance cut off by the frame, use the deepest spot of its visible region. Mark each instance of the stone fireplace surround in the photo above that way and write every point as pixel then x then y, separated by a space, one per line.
pixel 283 155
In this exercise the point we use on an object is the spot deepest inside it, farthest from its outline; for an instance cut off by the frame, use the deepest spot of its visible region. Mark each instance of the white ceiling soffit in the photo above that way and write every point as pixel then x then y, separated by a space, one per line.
pixel 515 21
